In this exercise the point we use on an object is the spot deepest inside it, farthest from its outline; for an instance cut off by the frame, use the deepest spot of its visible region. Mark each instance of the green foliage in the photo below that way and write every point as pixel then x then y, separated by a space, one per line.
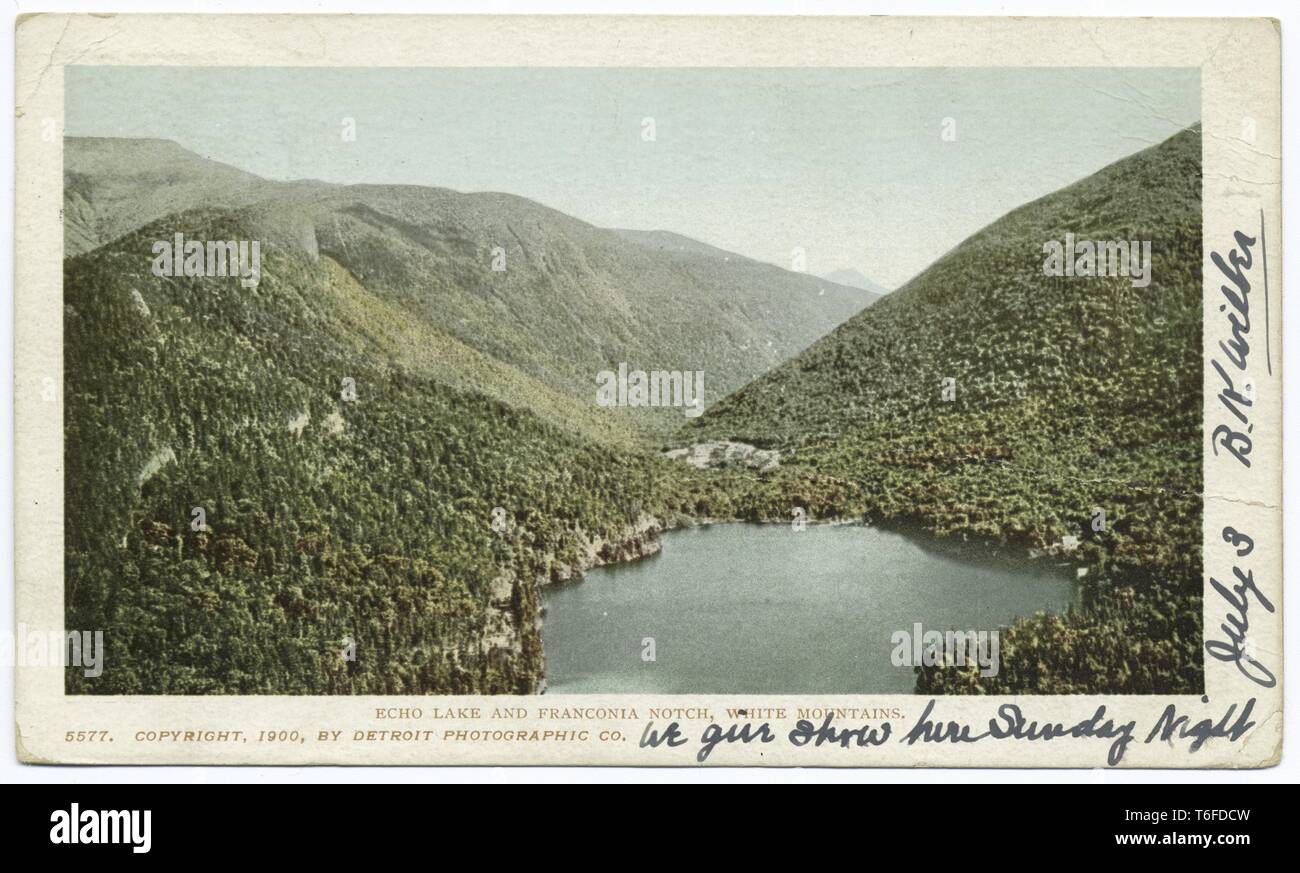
pixel 328 520
pixel 1071 393
pixel 371 521
pixel 569 299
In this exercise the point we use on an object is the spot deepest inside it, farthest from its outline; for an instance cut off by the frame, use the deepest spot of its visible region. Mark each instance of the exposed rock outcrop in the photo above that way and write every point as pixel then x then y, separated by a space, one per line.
pixel 633 542
pixel 725 453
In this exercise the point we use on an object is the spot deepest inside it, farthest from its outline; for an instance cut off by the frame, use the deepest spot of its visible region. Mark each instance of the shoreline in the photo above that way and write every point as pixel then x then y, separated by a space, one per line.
pixel 646 539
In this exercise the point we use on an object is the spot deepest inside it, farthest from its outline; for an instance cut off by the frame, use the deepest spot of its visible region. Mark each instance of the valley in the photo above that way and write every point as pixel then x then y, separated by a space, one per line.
pixel 397 446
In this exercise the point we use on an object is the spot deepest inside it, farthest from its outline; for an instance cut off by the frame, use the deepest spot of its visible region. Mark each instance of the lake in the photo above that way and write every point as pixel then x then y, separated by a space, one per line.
pixel 764 609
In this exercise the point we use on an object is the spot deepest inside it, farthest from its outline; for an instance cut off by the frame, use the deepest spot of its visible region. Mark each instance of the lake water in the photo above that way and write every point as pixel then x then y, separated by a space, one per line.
pixel 747 608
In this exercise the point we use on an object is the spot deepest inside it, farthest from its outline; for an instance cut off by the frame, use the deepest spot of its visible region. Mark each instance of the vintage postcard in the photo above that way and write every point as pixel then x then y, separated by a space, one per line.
pixel 648 391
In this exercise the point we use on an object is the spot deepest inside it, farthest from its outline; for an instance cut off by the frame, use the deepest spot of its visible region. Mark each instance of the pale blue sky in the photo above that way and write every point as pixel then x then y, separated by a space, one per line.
pixel 848 164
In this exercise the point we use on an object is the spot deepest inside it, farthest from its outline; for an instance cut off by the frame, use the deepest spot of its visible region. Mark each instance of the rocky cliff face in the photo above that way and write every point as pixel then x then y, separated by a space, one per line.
pixel 506 629
pixel 633 542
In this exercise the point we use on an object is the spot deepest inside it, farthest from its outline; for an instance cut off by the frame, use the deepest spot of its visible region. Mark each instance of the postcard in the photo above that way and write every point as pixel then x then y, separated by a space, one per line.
pixel 654 391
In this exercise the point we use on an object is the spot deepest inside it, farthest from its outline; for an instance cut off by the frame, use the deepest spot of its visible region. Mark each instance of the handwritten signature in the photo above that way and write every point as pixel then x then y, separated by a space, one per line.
pixel 1235 439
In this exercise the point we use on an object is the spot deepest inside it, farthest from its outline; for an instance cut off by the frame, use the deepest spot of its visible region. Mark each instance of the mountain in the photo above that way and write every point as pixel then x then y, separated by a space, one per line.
pixel 549 295
pixel 854 279
pixel 260 479
pixel 701 257
pixel 569 299
pixel 384 447
pixel 987 401
pixel 676 245
pixel 112 186
pixel 354 476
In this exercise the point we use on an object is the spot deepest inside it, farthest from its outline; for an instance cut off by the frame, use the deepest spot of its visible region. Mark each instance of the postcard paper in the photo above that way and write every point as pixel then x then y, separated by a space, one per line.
pixel 658 391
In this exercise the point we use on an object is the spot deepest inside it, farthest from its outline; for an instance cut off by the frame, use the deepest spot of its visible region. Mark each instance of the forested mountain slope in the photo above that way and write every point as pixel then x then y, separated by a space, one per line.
pixel 547 294
pixel 386 441
pixel 411 518
pixel 1068 395
pixel 415 518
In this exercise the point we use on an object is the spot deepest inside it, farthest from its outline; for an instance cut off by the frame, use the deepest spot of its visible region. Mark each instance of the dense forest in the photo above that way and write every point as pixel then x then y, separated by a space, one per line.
pixel 988 402
pixel 324 519
pixel 354 477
